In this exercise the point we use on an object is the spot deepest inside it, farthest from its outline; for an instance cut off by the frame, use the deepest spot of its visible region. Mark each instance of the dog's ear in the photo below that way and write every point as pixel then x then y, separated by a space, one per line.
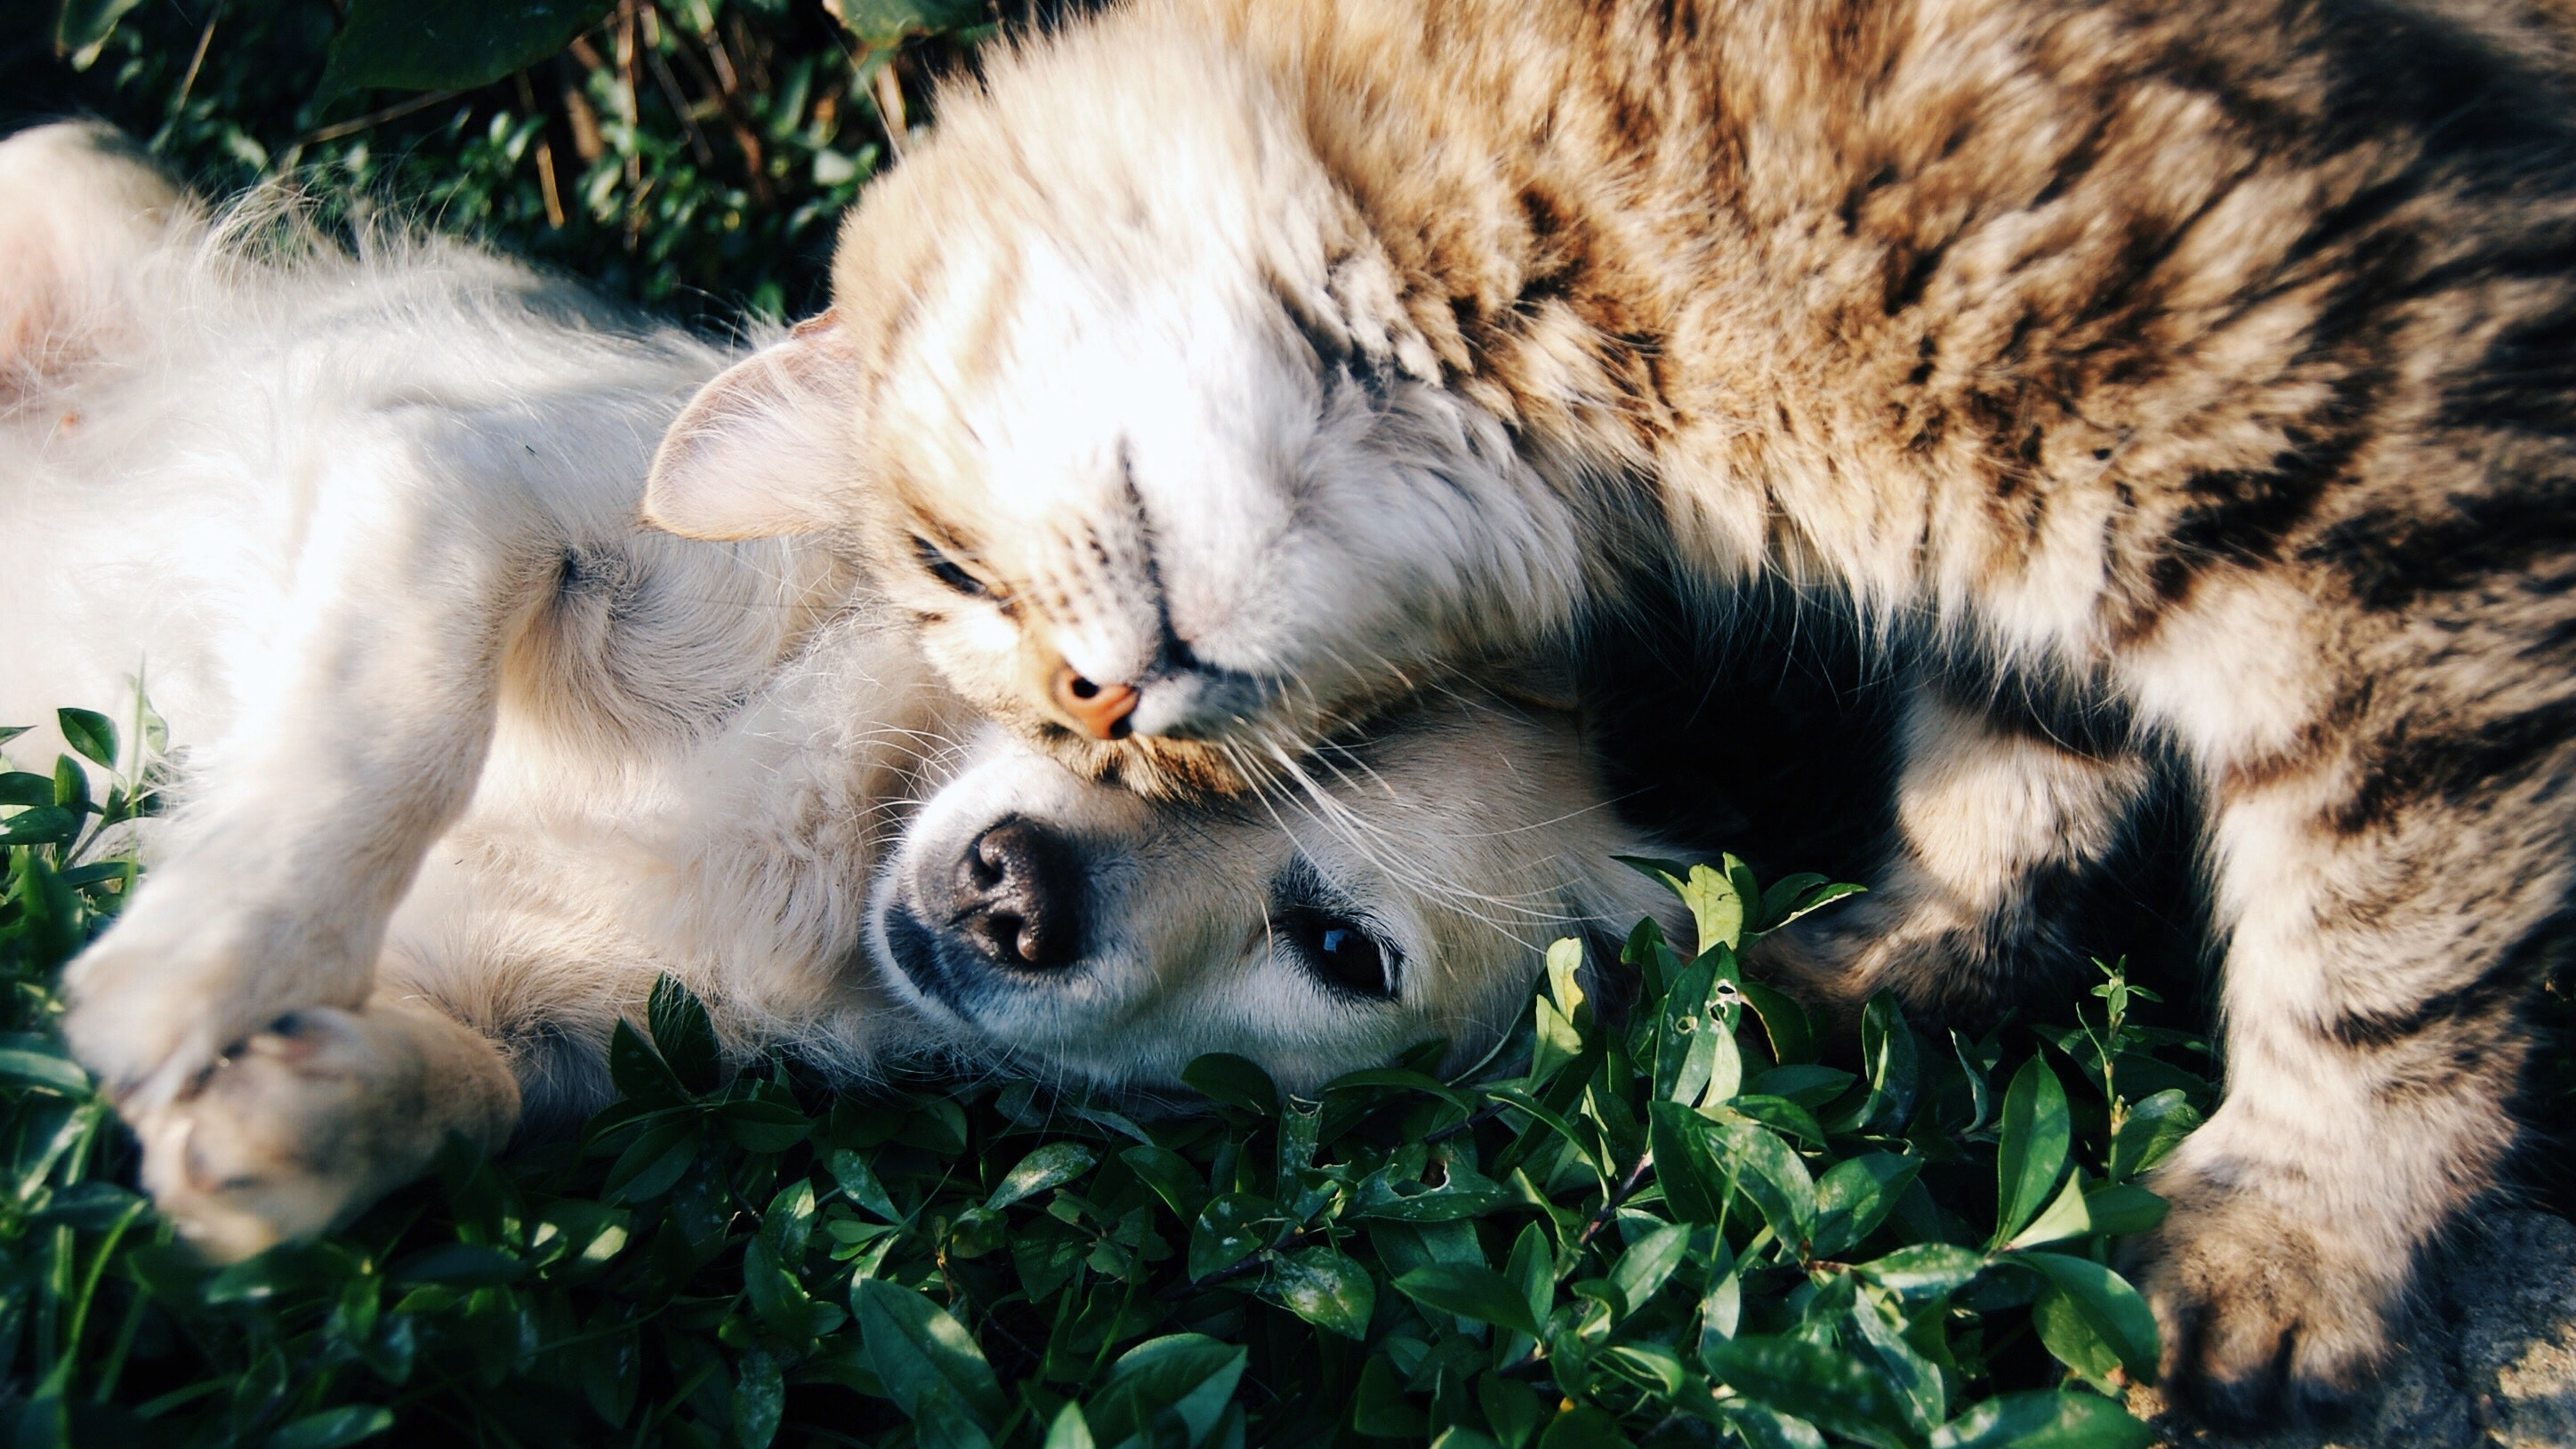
pixel 80 207
pixel 766 448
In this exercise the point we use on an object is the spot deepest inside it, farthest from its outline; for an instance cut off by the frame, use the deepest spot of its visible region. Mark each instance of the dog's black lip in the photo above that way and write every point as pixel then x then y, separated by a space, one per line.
pixel 918 953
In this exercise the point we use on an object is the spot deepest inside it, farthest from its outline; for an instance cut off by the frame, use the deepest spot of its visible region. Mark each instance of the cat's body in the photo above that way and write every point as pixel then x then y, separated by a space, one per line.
pixel 2204 367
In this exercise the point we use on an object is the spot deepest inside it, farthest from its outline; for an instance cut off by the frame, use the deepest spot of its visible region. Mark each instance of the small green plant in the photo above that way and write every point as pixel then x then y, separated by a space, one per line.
pixel 693 154
pixel 1680 1224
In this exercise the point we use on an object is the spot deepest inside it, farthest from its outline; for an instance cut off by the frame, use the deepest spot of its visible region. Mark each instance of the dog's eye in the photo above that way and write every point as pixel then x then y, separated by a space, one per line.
pixel 945 569
pixel 1343 954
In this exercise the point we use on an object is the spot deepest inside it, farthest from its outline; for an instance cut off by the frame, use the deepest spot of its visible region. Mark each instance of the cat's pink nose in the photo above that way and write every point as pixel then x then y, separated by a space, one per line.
pixel 1100 709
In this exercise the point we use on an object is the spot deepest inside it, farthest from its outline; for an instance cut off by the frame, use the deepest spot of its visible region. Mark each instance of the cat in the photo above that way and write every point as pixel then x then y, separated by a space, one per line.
pixel 2195 371
pixel 465 761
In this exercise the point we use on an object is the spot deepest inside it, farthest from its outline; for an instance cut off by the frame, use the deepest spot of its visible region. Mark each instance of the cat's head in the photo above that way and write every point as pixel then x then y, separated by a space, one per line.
pixel 1120 399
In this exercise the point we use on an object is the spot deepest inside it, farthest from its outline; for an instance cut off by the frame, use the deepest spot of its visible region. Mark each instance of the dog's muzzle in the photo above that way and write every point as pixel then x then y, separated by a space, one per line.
pixel 1010 908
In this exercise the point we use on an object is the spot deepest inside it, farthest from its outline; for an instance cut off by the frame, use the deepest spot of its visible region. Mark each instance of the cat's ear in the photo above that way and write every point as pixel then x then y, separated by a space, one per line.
pixel 766 448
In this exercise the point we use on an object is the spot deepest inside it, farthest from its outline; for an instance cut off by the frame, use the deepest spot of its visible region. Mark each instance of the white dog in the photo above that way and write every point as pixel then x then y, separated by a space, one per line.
pixel 470 757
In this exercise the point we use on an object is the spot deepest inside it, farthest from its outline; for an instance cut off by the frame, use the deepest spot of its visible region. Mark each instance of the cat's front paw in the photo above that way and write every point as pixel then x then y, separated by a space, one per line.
pixel 299 1129
pixel 2265 1310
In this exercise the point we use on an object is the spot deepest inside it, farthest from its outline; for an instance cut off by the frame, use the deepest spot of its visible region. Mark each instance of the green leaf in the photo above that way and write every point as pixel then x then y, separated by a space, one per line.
pixel 91 733
pixel 880 24
pixel 1806 903
pixel 1768 1172
pixel 333 1427
pixel 638 1070
pixel 2151 1131
pixel 1716 907
pixel 1326 1288
pixel 1171 1177
pixel 1832 1391
pixel 2032 1152
pixel 461 1265
pixel 1647 1264
pixel 1232 1228
pixel 1889 1059
pixel 683 1035
pixel 81 28
pixel 2119 1209
pixel 1469 1290
pixel 423 45
pixel 1855 1196
pixel 1069 1429
pixel 1582 1427
pixel 859 1184
pixel 2066 1216
pixel 2065 1419
pixel 18 787
pixel 1766 1428
pixel 35 1060
pixel 1883 1329
pixel 1784 1022
pixel 1925 1269
pixel 1190 1374
pixel 1236 1081
pixel 44 825
pixel 913 1346
pixel 1053 1165
pixel 1565 976
pixel 759 1400
pixel 1694 1182
pixel 764 1125
pixel 2105 1308
pixel 1379 1408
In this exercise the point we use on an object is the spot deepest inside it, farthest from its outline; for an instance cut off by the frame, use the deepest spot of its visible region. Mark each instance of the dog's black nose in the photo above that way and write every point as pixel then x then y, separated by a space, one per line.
pixel 1017 895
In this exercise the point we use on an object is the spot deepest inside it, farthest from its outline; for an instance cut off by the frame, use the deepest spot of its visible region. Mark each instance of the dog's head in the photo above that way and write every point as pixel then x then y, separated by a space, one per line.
pixel 1073 931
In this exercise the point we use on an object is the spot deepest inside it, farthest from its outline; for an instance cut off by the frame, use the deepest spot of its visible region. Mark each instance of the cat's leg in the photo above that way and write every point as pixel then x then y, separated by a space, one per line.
pixel 317 1116
pixel 1998 820
pixel 2391 904
pixel 361 733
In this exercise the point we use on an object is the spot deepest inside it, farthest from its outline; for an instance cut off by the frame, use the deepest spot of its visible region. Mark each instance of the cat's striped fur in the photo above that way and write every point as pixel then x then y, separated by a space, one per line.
pixel 2206 367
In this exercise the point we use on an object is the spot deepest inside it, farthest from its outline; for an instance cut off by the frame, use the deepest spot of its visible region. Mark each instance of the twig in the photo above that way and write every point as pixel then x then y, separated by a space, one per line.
pixel 889 93
pixel 1250 1265
pixel 188 82
pixel 1477 1118
pixel 394 112
pixel 1610 1206
pixel 545 157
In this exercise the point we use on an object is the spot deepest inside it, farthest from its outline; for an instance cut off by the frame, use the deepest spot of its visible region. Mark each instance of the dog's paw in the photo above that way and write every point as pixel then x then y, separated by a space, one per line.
pixel 299 1129
pixel 170 990
pixel 2265 1312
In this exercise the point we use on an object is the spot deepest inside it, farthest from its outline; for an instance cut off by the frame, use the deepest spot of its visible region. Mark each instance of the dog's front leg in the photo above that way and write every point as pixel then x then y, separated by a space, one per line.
pixel 362 729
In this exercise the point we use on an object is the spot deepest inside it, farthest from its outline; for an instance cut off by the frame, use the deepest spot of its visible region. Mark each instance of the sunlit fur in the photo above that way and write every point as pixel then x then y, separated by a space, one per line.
pixel 2203 366
pixel 468 758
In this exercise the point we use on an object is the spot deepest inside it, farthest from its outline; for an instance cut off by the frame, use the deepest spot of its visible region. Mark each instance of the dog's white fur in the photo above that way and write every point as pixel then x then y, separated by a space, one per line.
pixel 469 757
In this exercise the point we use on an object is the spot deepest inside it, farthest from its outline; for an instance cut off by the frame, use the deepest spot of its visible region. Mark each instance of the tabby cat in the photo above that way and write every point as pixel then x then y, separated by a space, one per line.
pixel 2201 370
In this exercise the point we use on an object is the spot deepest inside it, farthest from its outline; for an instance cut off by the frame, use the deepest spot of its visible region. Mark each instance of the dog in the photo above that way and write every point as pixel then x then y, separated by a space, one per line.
pixel 467 759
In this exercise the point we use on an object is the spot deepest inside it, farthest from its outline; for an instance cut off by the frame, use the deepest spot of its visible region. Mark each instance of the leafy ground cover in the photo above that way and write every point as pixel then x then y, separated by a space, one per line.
pixel 1691 1223
pixel 1700 1222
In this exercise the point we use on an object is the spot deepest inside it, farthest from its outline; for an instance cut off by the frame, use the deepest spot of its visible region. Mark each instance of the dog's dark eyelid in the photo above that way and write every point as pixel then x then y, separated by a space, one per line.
pixel 945 569
pixel 1332 939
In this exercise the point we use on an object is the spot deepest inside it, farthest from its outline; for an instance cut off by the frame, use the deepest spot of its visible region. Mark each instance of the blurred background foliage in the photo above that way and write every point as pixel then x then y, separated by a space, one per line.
pixel 688 154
